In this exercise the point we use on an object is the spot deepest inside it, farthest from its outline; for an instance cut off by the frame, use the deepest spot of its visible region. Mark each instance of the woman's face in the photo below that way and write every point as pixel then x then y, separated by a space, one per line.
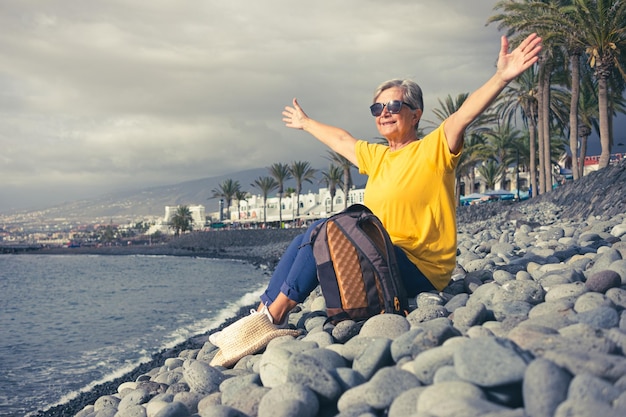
pixel 400 126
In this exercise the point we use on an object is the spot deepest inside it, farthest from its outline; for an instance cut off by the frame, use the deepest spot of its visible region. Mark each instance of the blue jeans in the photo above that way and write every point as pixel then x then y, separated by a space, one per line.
pixel 296 273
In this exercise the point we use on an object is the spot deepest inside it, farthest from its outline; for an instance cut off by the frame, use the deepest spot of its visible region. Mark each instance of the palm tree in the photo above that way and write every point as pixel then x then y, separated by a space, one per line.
pixel 521 18
pixel 520 96
pixel 280 172
pixel 331 178
pixel 604 39
pixel 502 145
pixel 301 172
pixel 240 196
pixel 181 221
pixel 466 166
pixel 227 190
pixel 265 185
pixel 346 166
pixel 491 172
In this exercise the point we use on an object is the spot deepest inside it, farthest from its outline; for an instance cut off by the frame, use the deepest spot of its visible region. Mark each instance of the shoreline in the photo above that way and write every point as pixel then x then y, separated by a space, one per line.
pixel 214 245
pixel 76 404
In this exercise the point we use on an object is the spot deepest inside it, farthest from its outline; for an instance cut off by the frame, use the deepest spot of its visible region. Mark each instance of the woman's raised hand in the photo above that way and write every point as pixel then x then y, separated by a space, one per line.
pixel 294 117
pixel 512 64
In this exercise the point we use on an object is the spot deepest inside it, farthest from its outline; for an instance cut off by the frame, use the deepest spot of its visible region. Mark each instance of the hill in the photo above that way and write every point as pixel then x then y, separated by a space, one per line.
pixel 151 202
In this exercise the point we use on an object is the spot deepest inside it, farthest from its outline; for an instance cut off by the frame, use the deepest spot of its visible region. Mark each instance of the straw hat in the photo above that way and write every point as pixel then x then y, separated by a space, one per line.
pixel 246 337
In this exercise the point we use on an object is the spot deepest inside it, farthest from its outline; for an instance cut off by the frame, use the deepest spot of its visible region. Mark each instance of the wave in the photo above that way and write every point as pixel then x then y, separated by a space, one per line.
pixel 169 341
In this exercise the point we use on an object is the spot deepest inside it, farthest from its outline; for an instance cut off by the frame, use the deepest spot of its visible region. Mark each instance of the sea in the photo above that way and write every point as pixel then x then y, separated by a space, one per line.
pixel 71 322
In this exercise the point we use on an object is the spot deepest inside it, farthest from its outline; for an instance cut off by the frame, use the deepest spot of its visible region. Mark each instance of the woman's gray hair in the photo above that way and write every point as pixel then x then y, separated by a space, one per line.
pixel 411 92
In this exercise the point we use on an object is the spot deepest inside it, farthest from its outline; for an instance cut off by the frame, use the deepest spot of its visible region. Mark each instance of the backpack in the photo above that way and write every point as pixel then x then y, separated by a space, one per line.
pixel 357 267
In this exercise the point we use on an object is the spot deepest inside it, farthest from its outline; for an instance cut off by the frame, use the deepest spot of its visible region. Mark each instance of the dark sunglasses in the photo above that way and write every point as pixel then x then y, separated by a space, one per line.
pixel 393 107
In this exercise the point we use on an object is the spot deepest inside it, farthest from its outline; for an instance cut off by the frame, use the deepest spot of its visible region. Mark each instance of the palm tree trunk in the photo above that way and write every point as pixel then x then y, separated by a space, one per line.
pixel 583 154
pixel 532 137
pixel 603 112
pixel 573 113
pixel 541 120
pixel 546 131
pixel 264 212
pixel 298 189
pixel 280 210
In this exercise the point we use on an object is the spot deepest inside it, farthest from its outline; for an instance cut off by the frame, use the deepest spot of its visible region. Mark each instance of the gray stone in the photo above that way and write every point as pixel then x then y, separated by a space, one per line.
pixel 590 301
pixel 455 398
pixel 459 300
pixel 428 298
pixel 470 315
pixel 428 362
pixel 175 409
pixel 577 408
pixel 435 332
pixel 132 411
pixel 248 400
pixel 385 325
pixel 106 401
pixel 189 399
pixel 585 387
pixel 402 346
pixel 309 372
pixel 374 357
pixel 135 397
pixel 601 317
pixel 545 386
pixel 405 404
pixel 273 367
pixel 345 330
pixel 289 400
pixel 605 366
pixel 489 362
pixel 219 410
pixel 380 391
pixel 426 313
pixel 348 378
pixel 574 289
pixel 201 377
pixel 506 310
pixel 233 387
pixel 617 296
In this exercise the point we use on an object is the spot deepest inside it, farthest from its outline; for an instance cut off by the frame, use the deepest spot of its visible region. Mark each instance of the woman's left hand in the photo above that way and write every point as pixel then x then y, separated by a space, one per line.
pixel 512 64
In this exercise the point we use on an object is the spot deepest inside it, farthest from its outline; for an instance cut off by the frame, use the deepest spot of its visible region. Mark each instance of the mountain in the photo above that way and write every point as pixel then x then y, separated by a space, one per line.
pixel 150 202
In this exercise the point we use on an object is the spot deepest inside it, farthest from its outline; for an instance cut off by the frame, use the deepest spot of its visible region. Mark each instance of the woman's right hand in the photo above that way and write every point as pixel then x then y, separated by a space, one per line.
pixel 294 117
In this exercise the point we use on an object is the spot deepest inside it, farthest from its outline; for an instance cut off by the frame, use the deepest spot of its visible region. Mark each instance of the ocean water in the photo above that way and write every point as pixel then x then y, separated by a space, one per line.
pixel 68 323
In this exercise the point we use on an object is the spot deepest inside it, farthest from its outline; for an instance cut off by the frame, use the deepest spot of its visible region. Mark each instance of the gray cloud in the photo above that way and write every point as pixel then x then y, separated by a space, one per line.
pixel 100 96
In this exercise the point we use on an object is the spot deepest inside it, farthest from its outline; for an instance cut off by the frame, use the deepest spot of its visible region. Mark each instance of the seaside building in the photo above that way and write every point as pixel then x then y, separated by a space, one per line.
pixel 198 219
pixel 290 208
pixel 296 212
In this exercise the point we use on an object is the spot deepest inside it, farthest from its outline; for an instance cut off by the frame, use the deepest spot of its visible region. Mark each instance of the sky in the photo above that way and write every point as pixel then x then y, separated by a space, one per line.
pixel 105 96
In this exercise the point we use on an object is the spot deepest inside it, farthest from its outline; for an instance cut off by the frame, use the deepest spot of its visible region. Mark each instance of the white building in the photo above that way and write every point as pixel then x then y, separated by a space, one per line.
pixel 198 219
pixel 311 206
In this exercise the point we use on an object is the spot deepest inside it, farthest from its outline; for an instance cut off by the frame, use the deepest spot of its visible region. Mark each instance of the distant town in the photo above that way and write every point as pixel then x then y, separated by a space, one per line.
pixel 35 229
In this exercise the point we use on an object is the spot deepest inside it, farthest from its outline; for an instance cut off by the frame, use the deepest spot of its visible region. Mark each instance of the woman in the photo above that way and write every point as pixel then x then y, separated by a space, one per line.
pixel 410 188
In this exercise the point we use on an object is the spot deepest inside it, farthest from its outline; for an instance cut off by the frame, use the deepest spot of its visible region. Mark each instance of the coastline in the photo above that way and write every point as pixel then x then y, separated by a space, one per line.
pixel 73 406
pixel 261 248
pixel 585 218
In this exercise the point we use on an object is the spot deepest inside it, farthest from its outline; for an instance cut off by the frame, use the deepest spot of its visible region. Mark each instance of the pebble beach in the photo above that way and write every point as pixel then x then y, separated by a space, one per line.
pixel 532 324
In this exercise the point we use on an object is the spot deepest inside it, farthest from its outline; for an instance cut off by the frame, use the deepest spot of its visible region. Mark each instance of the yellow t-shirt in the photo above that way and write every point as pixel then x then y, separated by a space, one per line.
pixel 411 190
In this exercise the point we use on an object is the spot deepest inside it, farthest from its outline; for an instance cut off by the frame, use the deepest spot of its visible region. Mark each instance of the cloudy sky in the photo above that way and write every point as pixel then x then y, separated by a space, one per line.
pixel 100 96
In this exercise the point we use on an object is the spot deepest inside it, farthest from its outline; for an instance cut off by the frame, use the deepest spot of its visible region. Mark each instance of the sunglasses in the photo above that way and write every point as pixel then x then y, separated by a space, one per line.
pixel 393 107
